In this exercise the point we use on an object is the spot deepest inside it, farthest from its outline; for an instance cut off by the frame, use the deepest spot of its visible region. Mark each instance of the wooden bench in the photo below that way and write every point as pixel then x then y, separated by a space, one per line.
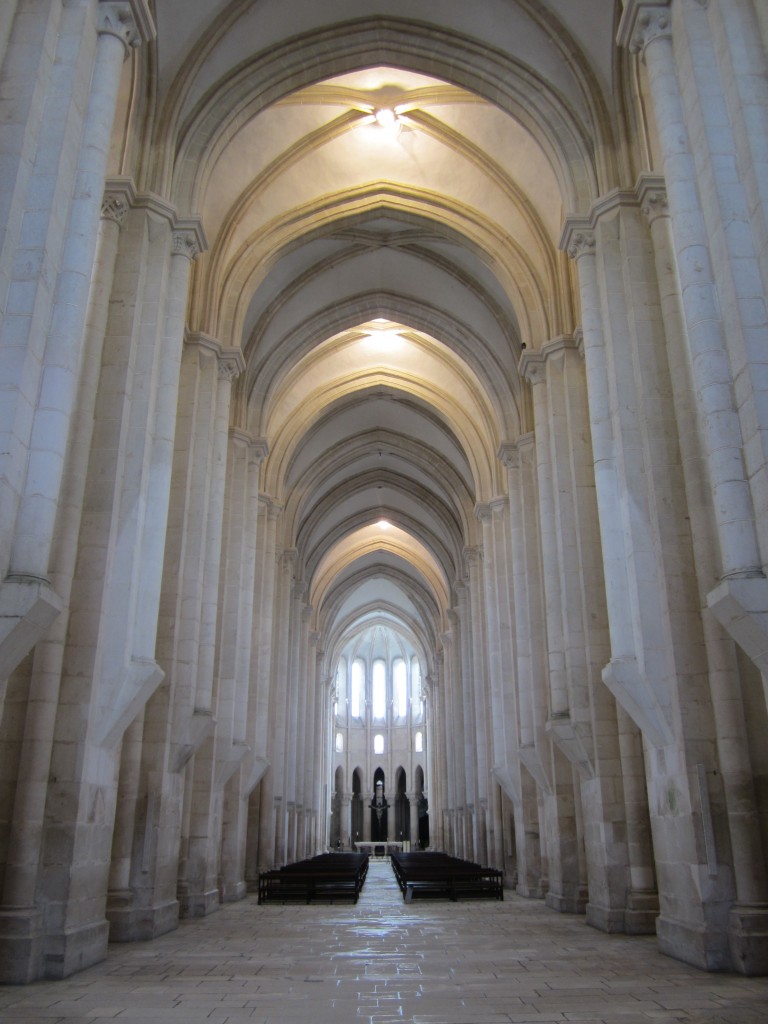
pixel 328 877
pixel 442 876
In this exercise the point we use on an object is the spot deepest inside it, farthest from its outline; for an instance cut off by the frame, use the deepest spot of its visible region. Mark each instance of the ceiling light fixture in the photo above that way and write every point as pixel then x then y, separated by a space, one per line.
pixel 385 341
pixel 384 525
pixel 387 119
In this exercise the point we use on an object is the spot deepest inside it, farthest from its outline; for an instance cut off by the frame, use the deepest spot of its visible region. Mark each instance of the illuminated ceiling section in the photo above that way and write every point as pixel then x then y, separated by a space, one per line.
pixel 383 246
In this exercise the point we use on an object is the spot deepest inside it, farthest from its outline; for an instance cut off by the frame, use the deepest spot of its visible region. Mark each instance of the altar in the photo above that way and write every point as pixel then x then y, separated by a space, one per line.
pixel 380 848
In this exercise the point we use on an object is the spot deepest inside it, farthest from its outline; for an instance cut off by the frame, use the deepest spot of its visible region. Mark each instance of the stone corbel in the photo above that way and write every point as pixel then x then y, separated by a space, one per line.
pixel 28 606
pixel 228 761
pixel 136 684
pixel 567 735
pixel 623 678
pixel 197 729
pixel 530 757
pixel 505 779
pixel 259 766
pixel 741 606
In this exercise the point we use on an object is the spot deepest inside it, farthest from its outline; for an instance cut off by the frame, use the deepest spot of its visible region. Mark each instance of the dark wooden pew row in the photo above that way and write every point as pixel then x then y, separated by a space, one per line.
pixel 442 876
pixel 327 877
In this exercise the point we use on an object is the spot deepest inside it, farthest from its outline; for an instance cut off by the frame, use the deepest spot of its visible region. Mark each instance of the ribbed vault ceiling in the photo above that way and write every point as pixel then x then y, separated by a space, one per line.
pixel 381 280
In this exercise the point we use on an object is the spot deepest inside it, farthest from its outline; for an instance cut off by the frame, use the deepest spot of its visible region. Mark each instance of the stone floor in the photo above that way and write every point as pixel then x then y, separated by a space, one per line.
pixel 385 961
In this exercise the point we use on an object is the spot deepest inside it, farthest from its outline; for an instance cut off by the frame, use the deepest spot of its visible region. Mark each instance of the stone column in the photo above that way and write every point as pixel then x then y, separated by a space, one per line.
pixel 466 711
pixel 216 761
pixel 740 601
pixel 280 666
pixel 23 856
pixel 30 555
pixel 500 651
pixel 313 754
pixel 530 665
pixel 236 645
pixel 474 561
pixel 264 713
pixel 27 603
pixel 748 916
pixel 565 893
pixel 456 736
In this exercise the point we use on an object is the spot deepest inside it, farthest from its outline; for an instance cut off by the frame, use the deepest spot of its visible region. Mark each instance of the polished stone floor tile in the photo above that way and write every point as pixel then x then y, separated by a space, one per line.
pixel 387 962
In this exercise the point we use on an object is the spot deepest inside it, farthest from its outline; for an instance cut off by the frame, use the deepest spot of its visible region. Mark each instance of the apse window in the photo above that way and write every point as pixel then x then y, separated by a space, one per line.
pixel 358 688
pixel 379 691
pixel 339 743
pixel 378 743
pixel 419 742
pixel 400 688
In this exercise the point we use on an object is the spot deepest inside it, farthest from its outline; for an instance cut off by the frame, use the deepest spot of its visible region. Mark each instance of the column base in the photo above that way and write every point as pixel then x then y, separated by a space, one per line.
pixel 567 904
pixel 22 941
pixel 198 904
pixel 605 919
pixel 129 922
pixel 748 938
pixel 234 892
pixel 530 892
pixel 75 949
pixel 706 948
pixel 641 913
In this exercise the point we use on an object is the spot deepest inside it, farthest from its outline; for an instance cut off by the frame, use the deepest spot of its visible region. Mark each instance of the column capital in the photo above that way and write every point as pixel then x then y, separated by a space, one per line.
pixel 259 449
pixel 577 237
pixel 189 238
pixel 272 507
pixel 473 556
pixel 526 444
pixel 289 556
pixel 652 194
pixel 130 21
pixel 119 196
pixel 556 346
pixel 198 339
pixel 642 22
pixel 483 512
pixel 240 436
pixel 508 455
pixel 231 364
pixel 531 367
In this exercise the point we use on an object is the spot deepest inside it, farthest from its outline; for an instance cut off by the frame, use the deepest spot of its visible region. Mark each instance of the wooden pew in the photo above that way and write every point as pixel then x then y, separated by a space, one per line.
pixel 442 876
pixel 327 877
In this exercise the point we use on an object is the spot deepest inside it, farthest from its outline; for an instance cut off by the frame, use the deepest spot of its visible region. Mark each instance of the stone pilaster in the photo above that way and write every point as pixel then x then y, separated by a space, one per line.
pixel 531 742
pixel 646 28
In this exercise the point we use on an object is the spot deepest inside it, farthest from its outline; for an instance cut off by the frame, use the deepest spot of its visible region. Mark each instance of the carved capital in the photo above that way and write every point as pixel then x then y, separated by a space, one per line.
pixel 652 194
pixel 577 238
pixel 532 367
pixel 508 455
pixel 259 450
pixel 185 243
pixel 115 207
pixel 642 22
pixel 129 21
pixel 231 364
pixel 473 556
pixel 240 437
pixel 483 512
